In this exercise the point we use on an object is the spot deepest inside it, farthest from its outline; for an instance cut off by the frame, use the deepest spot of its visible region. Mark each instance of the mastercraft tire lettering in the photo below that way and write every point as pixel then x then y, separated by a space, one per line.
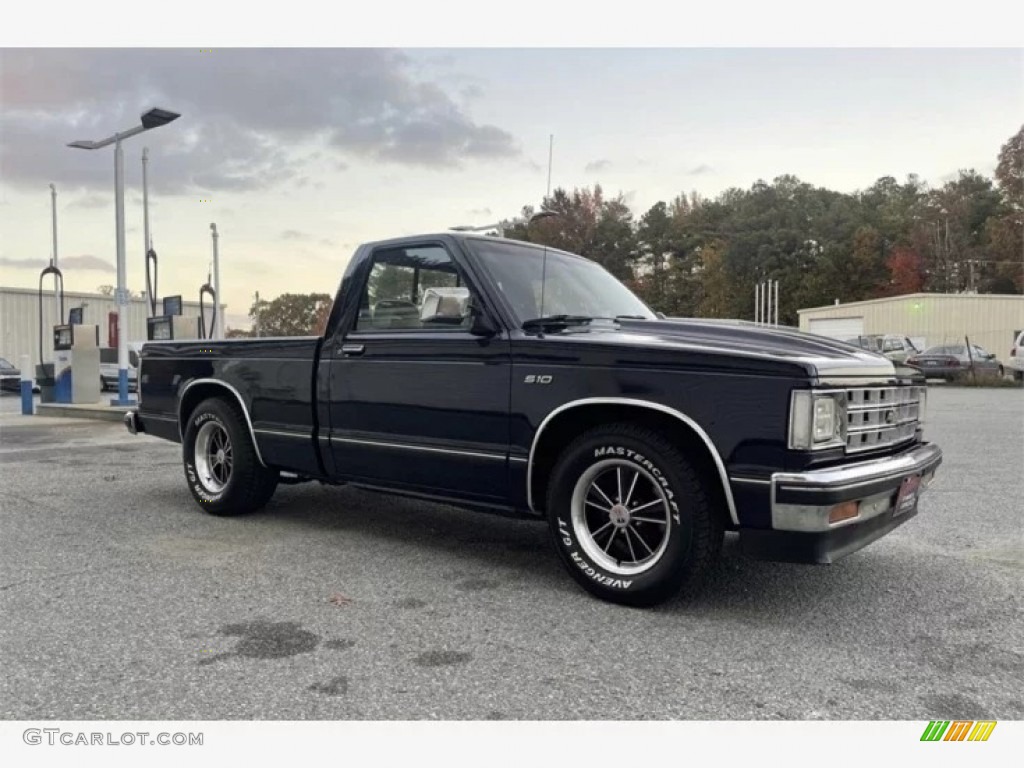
pixel 223 471
pixel 630 517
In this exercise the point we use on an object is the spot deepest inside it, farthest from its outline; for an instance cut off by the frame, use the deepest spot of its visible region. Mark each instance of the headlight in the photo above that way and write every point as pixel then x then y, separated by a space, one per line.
pixel 816 420
pixel 824 419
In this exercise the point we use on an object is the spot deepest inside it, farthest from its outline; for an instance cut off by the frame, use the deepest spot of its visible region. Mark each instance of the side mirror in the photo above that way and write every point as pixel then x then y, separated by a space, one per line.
pixel 660 315
pixel 482 324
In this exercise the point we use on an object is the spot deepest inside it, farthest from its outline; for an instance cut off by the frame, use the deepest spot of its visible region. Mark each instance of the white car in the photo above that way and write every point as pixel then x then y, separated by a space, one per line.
pixel 1016 360
pixel 10 378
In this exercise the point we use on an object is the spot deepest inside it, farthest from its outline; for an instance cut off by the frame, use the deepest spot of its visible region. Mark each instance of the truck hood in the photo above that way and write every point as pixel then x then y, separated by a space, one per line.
pixel 817 355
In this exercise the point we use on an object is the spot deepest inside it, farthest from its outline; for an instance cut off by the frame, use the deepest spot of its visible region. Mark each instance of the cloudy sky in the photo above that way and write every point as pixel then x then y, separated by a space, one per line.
pixel 300 154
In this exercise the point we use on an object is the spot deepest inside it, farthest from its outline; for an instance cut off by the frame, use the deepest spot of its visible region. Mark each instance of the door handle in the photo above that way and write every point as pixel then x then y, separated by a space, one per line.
pixel 352 350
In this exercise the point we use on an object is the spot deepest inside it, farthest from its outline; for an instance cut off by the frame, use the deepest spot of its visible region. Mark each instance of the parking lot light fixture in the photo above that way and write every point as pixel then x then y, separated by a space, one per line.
pixel 154 118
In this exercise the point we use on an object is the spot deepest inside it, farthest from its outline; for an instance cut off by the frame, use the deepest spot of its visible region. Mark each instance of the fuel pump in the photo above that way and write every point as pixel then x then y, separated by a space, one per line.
pixel 76 362
pixel 44 370
pixel 205 289
pixel 74 374
pixel 172 324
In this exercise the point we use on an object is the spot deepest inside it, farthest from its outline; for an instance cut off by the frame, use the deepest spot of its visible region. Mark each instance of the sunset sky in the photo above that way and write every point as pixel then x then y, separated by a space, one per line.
pixel 300 154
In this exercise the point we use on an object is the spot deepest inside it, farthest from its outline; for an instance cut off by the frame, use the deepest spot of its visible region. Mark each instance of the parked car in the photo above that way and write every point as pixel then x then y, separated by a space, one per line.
pixel 1016 361
pixel 952 361
pixel 109 371
pixel 870 343
pixel 897 348
pixel 505 377
pixel 10 376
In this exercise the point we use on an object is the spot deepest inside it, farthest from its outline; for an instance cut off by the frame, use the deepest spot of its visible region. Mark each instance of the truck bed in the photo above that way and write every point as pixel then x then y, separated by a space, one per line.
pixel 273 377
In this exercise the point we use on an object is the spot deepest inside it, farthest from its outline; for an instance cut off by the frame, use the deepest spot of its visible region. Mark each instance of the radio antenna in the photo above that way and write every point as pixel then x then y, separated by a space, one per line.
pixel 551 152
pixel 544 256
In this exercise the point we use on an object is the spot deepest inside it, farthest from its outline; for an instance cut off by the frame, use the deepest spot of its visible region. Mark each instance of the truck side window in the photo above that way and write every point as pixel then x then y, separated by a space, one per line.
pixel 414 288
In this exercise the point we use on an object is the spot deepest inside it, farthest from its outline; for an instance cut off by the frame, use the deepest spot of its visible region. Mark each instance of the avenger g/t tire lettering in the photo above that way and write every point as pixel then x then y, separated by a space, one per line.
pixel 631 518
pixel 223 472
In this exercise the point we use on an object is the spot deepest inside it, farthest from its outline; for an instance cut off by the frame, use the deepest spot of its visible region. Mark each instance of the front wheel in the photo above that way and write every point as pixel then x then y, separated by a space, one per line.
pixel 221 466
pixel 632 519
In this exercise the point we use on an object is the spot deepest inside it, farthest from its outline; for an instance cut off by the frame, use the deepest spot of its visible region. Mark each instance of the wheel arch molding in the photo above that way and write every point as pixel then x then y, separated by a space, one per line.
pixel 197 390
pixel 569 419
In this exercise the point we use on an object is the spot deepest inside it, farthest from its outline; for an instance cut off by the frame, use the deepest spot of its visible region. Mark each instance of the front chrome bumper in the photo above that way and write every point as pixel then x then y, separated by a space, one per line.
pixel 801 501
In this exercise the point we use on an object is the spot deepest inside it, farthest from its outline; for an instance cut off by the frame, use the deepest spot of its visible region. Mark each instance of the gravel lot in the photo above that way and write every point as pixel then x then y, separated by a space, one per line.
pixel 120 599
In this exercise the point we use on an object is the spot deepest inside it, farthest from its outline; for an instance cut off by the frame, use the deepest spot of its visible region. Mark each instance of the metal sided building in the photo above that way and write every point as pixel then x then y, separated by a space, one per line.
pixel 19 319
pixel 928 319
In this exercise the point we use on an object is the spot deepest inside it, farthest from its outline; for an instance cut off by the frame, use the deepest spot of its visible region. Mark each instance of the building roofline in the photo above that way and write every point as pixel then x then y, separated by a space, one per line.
pixel 48 293
pixel 905 296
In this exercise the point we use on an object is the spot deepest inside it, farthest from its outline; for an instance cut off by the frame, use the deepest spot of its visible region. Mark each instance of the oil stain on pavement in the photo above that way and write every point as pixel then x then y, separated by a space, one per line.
pixel 339 645
pixel 336 686
pixel 262 639
pixel 442 658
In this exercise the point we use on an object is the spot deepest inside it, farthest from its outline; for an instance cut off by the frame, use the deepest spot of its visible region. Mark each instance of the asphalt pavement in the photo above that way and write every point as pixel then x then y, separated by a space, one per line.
pixel 121 599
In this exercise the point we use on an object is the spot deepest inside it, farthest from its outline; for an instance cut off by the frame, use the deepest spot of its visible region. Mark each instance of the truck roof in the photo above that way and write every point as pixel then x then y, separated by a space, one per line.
pixel 454 235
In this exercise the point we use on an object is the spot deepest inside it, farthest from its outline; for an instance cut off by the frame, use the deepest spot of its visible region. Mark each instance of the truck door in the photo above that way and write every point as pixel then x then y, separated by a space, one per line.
pixel 416 400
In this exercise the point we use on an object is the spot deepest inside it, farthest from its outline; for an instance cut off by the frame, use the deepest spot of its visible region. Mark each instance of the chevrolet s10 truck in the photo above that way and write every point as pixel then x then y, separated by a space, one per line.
pixel 506 377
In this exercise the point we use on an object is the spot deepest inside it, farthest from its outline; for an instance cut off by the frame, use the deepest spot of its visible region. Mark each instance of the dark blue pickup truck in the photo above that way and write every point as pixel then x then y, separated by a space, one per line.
pixel 506 377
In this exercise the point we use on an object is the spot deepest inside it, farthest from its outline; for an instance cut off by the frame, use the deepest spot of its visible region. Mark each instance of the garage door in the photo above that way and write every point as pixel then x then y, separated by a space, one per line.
pixel 837 327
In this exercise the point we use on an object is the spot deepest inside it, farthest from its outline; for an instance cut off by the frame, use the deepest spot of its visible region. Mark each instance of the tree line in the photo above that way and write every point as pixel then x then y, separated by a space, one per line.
pixel 701 257
pixel 697 257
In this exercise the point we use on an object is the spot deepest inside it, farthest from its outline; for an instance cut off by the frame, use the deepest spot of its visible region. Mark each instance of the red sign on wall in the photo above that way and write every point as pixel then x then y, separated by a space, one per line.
pixel 112 329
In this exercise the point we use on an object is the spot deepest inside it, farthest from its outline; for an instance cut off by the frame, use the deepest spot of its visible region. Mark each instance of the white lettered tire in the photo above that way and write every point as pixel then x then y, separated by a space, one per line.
pixel 223 471
pixel 631 518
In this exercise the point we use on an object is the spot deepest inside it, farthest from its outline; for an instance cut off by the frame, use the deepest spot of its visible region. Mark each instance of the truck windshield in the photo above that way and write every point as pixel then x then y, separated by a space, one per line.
pixel 572 285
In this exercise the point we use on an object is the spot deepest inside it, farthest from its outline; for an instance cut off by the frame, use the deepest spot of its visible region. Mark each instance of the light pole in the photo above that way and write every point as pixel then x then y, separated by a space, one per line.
pixel 53 207
pixel 218 322
pixel 147 245
pixel 154 118
pixel 55 262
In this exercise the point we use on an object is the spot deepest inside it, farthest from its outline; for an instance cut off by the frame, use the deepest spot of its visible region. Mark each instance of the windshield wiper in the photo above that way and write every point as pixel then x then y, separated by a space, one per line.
pixel 630 317
pixel 555 321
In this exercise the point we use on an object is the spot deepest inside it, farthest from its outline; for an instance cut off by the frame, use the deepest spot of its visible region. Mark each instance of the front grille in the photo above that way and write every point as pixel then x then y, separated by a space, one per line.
pixel 877 417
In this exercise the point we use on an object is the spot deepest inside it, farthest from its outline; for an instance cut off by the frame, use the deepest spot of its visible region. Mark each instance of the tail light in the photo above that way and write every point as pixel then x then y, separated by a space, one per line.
pixel 1013 352
pixel 953 362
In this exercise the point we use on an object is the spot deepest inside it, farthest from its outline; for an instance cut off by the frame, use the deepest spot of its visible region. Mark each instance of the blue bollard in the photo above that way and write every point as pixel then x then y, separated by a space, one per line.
pixel 27 406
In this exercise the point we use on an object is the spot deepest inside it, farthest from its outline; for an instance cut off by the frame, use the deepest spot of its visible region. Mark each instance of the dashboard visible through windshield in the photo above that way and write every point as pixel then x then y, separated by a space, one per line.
pixel 567 285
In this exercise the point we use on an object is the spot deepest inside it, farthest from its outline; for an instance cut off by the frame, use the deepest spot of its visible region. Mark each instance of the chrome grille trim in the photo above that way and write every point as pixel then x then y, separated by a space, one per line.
pixel 878 417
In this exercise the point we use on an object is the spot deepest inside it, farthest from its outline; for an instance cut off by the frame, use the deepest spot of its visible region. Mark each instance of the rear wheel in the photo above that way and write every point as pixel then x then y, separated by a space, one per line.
pixel 221 465
pixel 632 519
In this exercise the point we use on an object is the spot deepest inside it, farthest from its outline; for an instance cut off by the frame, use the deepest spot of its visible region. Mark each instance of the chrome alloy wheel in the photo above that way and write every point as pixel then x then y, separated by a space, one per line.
pixel 621 516
pixel 213 456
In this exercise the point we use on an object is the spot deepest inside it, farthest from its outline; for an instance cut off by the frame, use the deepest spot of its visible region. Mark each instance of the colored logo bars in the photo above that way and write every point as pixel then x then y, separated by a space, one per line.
pixel 958 730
